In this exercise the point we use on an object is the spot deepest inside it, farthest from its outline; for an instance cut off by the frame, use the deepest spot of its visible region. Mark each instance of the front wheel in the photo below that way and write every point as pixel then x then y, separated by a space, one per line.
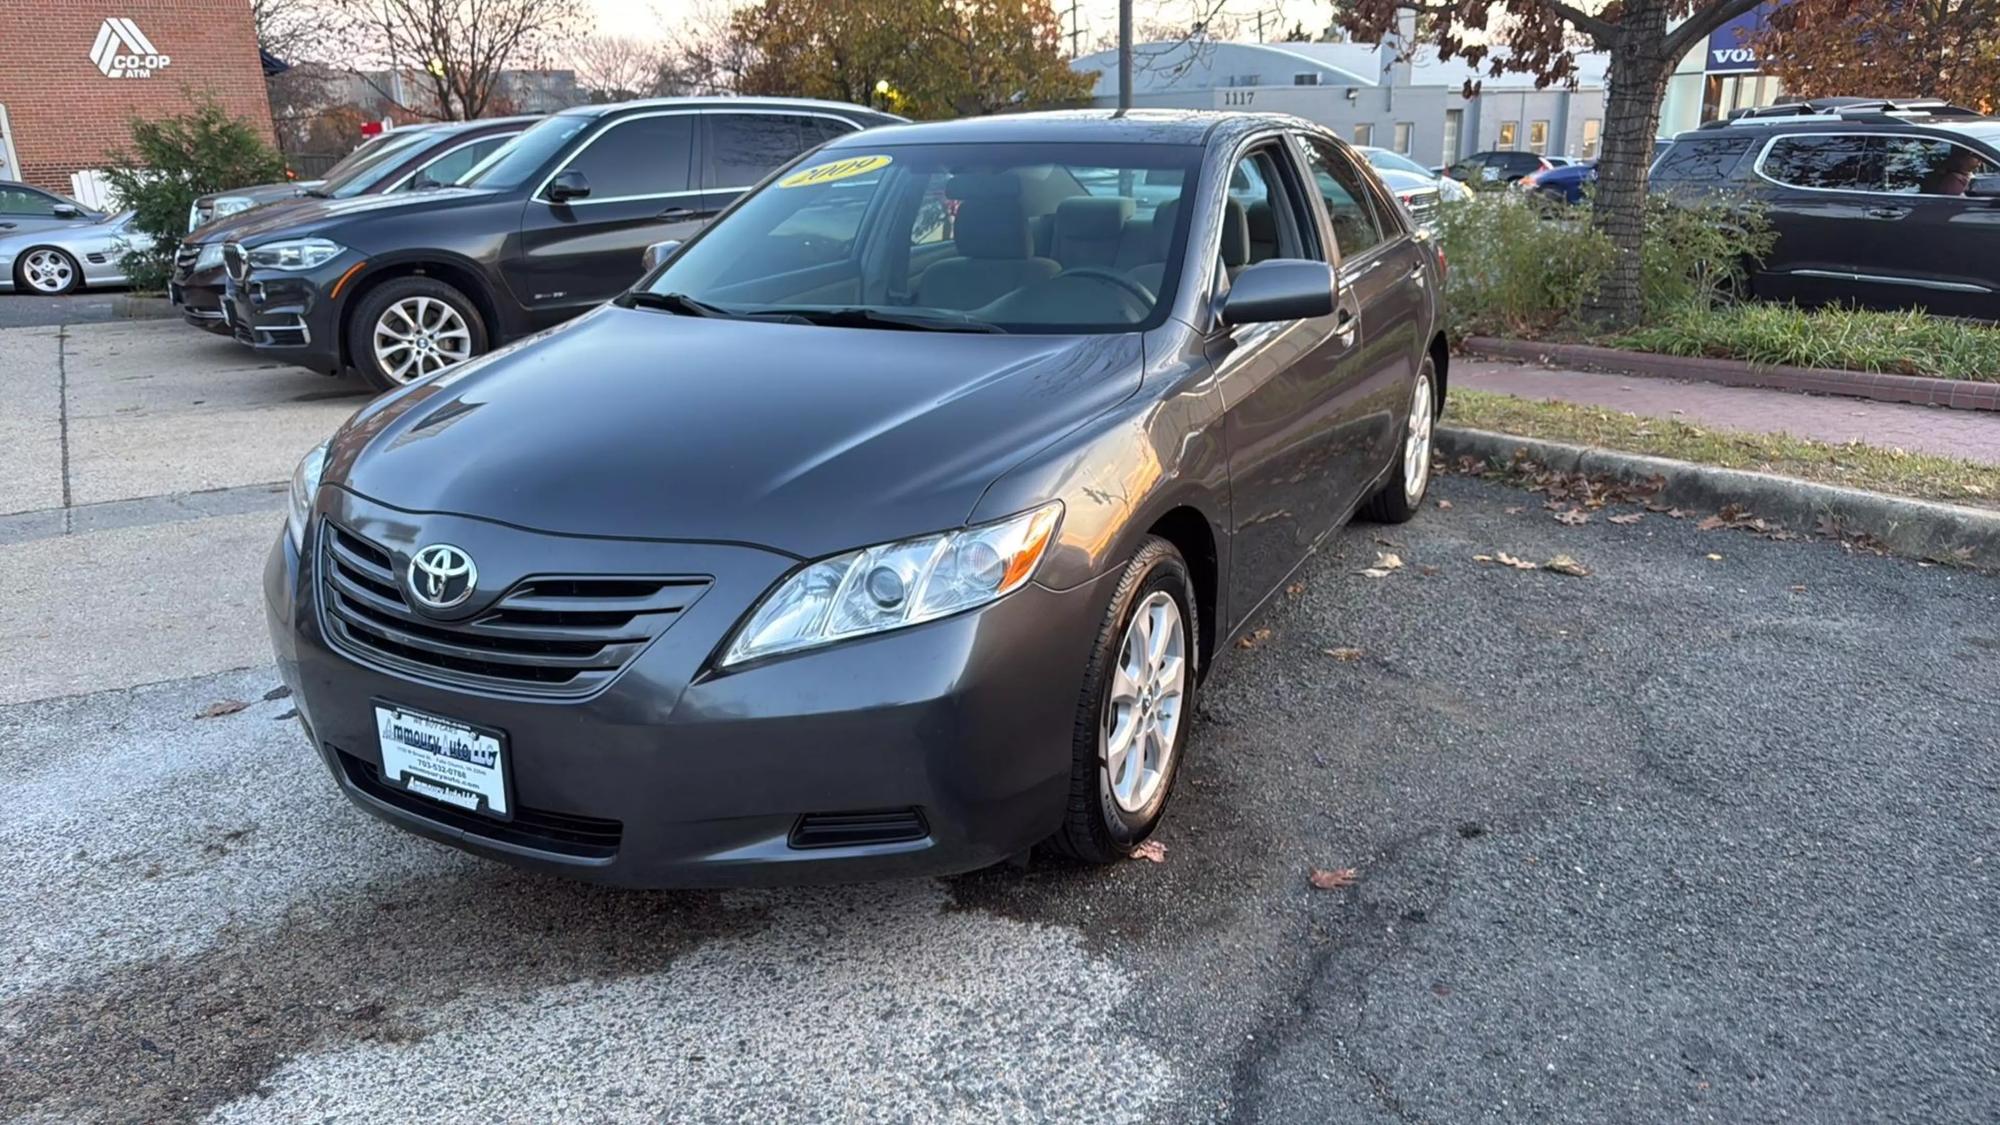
pixel 48 271
pixel 1403 493
pixel 411 327
pixel 1133 716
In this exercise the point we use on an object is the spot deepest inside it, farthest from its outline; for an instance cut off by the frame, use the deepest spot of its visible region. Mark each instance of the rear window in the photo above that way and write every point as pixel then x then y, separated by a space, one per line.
pixel 1706 160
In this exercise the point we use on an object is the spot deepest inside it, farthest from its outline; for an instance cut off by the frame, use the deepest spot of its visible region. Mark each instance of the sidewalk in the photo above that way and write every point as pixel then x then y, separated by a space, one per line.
pixel 1916 429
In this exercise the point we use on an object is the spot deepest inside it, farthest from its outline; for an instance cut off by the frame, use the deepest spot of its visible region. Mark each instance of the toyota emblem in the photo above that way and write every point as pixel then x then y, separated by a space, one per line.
pixel 442 576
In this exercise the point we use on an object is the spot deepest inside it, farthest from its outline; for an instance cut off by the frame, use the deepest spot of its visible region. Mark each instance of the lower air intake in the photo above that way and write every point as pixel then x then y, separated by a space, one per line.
pixel 850 830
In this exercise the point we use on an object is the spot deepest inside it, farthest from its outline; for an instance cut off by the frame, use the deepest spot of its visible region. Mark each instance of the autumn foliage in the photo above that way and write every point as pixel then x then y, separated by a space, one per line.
pixel 1887 48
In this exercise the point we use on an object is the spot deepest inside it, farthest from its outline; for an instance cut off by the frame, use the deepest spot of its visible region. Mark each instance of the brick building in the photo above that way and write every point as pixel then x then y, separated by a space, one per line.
pixel 73 73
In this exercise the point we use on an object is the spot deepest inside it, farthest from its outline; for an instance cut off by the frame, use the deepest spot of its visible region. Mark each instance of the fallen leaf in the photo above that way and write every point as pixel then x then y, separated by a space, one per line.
pixel 1344 655
pixel 1573 517
pixel 1482 558
pixel 1798 589
pixel 1628 519
pixel 1385 562
pixel 1444 505
pixel 1295 589
pixel 1333 880
pixel 219 709
pixel 1563 564
pixel 1711 523
pixel 1714 558
pixel 1153 850
pixel 1427 571
pixel 1514 511
pixel 1679 513
pixel 1252 640
pixel 1505 559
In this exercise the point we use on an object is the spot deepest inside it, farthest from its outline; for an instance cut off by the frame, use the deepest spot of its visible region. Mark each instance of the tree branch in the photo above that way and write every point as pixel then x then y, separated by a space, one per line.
pixel 1701 24
pixel 1603 31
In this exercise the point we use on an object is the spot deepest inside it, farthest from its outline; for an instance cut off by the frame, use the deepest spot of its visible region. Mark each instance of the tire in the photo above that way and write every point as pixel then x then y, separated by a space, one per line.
pixel 1403 493
pixel 47 271
pixel 1111 813
pixel 410 327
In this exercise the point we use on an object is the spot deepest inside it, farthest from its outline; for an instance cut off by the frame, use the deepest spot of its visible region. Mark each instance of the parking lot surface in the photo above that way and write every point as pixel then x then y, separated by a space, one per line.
pixel 1706 834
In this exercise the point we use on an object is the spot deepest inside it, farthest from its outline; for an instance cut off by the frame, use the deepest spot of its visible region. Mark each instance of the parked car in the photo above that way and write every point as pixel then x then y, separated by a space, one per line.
pixel 1420 189
pixel 859 539
pixel 552 225
pixel 1885 204
pixel 425 156
pixel 24 209
pixel 51 261
pixel 221 204
pixel 1564 183
pixel 1496 168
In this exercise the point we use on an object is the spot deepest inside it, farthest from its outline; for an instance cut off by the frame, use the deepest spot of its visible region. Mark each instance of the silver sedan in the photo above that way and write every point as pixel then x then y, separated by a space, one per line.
pixel 64 259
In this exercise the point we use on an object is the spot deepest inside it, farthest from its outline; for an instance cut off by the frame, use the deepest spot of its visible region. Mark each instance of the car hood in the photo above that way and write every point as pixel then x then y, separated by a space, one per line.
pixel 309 216
pixel 263 193
pixel 804 439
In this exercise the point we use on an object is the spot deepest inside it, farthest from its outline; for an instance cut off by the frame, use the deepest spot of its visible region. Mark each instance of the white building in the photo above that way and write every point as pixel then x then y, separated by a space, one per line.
pixel 1364 92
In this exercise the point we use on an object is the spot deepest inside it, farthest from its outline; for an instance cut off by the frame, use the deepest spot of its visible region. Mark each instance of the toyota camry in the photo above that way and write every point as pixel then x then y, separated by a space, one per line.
pixel 887 526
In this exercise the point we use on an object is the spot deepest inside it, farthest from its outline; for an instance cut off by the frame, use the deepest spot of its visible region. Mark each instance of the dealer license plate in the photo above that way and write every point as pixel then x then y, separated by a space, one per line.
pixel 445 760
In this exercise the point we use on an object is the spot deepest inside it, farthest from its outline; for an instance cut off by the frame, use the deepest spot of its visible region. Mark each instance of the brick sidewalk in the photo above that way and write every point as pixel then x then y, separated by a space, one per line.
pixel 1917 429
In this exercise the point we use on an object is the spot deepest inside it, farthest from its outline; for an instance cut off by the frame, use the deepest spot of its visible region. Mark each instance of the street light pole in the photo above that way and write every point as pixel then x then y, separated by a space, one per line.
pixel 1124 55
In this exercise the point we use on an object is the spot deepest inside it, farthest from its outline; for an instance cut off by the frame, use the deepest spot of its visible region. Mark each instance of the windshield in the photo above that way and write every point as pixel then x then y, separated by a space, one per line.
pixel 511 164
pixel 1383 158
pixel 1011 237
pixel 365 152
pixel 352 177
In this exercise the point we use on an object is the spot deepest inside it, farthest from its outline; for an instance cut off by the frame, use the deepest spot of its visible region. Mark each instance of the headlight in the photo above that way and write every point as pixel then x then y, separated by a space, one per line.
pixel 293 254
pixel 210 257
pixel 896 584
pixel 229 205
pixel 305 486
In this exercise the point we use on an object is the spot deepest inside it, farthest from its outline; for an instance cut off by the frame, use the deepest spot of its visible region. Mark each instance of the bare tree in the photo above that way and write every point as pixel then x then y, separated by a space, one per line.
pixel 455 50
pixel 297 30
pixel 706 56
pixel 617 67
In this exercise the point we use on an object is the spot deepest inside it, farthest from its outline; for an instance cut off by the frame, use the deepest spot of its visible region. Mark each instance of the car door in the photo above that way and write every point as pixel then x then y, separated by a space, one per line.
pixel 24 209
pixel 1944 246
pixel 578 253
pixel 1282 390
pixel 1383 279
pixel 1826 207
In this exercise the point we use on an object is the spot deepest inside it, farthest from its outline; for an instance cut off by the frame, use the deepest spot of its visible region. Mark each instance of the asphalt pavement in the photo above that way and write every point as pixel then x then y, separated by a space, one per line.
pixel 1704 835
pixel 90 306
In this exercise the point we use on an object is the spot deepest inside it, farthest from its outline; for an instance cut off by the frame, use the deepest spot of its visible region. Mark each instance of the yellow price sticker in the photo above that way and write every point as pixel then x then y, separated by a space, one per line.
pixel 837 170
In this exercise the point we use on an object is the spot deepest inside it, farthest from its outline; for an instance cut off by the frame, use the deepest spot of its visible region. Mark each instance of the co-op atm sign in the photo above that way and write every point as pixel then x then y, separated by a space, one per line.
pixel 123 51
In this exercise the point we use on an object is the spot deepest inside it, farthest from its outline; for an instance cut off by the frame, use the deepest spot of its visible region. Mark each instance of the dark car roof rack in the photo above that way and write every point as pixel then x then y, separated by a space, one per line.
pixel 1874 110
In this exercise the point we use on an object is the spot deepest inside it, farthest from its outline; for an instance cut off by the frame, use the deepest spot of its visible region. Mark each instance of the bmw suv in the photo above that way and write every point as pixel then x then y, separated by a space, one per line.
pixel 554 224
pixel 1878 203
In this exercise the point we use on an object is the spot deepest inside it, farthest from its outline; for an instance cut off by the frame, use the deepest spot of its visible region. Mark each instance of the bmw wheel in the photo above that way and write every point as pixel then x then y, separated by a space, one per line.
pixel 48 271
pixel 1403 493
pixel 1137 704
pixel 411 327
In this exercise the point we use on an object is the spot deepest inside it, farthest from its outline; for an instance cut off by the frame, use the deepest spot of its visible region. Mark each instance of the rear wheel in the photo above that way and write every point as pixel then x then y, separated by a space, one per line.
pixel 1132 719
pixel 1403 493
pixel 411 327
pixel 48 271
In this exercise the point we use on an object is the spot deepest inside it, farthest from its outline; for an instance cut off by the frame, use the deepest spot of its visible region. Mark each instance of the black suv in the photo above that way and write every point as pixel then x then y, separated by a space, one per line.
pixel 1883 204
pixel 550 226
pixel 412 158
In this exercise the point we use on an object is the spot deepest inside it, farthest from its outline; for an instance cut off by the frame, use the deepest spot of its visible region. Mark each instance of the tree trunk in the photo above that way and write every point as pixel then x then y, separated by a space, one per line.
pixel 1637 81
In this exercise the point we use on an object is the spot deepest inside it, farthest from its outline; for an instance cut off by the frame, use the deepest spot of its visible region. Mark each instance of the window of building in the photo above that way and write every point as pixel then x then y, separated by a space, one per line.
pixel 1305 79
pixel 1538 137
pixel 1364 133
pixel 1592 130
pixel 1454 128
pixel 1404 132
pixel 1510 134
pixel 1246 80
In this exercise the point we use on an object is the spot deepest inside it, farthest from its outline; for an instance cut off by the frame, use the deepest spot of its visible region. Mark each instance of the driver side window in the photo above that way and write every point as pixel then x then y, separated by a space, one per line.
pixel 1261 219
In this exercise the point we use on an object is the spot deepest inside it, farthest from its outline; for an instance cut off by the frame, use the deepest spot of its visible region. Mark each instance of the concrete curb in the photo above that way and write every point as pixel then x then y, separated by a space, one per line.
pixel 129 307
pixel 1918 529
pixel 1958 394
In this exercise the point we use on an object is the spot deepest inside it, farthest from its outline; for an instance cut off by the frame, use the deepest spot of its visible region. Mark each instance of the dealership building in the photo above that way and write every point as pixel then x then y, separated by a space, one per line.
pixel 73 76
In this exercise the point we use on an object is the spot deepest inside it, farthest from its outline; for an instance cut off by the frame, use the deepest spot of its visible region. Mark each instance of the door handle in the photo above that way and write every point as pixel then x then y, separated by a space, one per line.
pixel 1887 212
pixel 683 214
pixel 1346 324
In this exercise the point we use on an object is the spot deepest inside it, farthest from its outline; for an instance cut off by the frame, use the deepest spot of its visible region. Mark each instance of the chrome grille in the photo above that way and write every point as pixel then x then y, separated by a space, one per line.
pixel 187 255
pixel 562 635
pixel 1423 204
pixel 233 260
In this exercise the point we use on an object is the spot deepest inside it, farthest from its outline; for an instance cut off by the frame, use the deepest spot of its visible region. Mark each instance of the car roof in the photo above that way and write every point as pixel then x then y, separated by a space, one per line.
pixel 453 128
pixel 1090 126
pixel 845 108
pixel 1983 128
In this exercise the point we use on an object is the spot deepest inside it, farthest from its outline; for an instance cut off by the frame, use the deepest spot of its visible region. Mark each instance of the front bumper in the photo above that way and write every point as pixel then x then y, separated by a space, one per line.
pixel 681 776
pixel 198 296
pixel 289 315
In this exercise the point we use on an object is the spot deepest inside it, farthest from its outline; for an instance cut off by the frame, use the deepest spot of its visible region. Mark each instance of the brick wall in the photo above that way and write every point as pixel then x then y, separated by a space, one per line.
pixel 66 115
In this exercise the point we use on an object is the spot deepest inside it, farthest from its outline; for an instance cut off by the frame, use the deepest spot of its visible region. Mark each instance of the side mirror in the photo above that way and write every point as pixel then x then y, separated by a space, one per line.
pixel 1281 289
pixel 569 184
pixel 659 252
pixel 1985 187
pixel 66 211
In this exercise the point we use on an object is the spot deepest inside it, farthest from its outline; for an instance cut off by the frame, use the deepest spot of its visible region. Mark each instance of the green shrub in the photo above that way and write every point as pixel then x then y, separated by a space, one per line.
pixel 173 161
pixel 1902 343
pixel 1698 254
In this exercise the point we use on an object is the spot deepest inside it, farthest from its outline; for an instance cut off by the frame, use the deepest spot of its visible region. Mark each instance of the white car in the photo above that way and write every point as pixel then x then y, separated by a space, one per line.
pixel 61 260
pixel 1384 160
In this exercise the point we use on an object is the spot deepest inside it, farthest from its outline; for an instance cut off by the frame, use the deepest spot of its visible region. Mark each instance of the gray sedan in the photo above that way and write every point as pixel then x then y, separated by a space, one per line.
pixel 57 260
pixel 888 526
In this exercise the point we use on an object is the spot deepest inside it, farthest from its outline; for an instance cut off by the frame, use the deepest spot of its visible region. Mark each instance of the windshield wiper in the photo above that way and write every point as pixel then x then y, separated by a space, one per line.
pixel 879 318
pixel 680 304
pixel 317 193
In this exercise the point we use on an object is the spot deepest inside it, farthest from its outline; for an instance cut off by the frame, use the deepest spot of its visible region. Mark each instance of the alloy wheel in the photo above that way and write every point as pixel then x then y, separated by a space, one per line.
pixel 420 335
pixel 1142 712
pixel 48 271
pixel 1417 442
